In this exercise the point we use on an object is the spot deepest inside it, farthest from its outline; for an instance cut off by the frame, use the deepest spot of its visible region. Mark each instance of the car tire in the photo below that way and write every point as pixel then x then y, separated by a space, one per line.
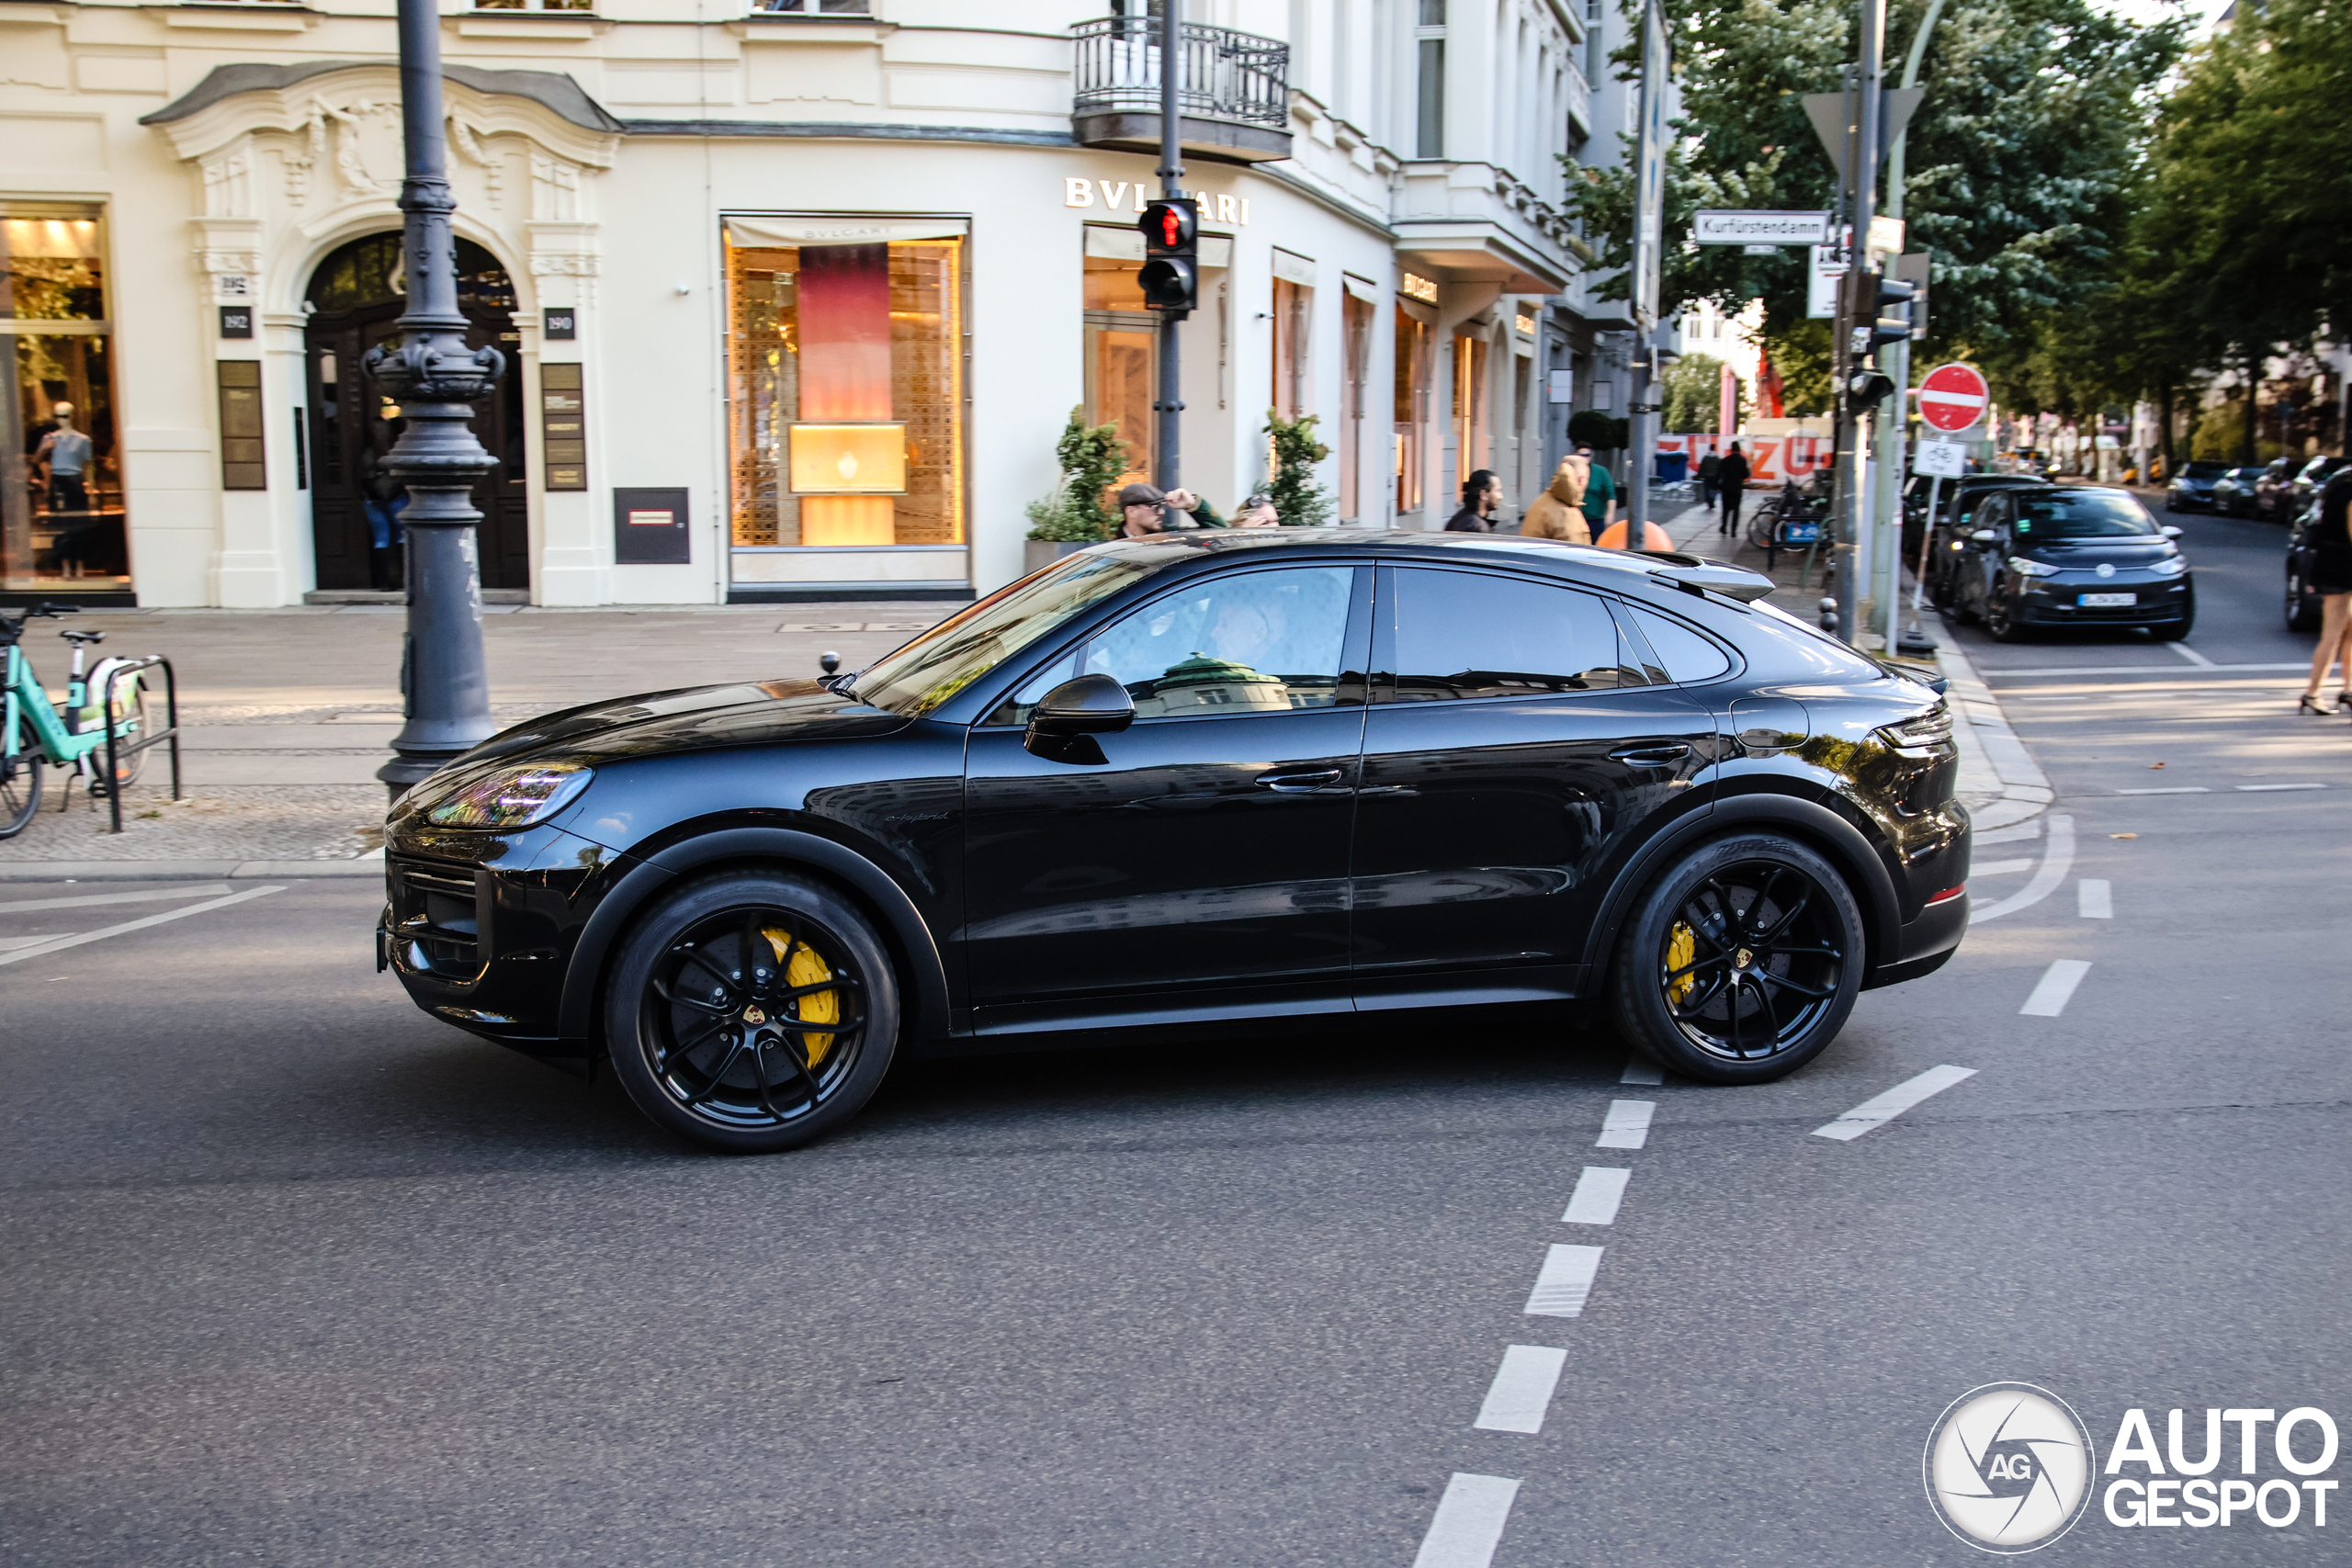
pixel 733 1060
pixel 2001 619
pixel 2302 609
pixel 1786 935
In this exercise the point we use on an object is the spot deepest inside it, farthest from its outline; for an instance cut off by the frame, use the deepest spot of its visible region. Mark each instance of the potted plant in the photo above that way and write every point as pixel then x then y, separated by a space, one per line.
pixel 1292 453
pixel 1091 458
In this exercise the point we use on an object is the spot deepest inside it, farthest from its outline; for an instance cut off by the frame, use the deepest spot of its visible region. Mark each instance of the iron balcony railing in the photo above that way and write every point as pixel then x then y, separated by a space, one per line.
pixel 1222 75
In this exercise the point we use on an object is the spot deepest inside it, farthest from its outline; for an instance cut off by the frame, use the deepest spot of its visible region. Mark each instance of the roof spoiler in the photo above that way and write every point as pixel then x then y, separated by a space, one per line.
pixel 1697 574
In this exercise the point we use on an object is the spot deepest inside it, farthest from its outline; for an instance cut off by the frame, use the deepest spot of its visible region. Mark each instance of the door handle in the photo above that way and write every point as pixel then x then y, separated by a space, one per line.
pixel 1299 783
pixel 1651 756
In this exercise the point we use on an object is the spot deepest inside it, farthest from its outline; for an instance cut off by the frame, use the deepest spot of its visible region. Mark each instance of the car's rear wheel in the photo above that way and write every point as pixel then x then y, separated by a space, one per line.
pixel 1741 964
pixel 752 1012
pixel 2302 606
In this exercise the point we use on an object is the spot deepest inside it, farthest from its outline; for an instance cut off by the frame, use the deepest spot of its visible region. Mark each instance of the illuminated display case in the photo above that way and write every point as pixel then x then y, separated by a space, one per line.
pixel 846 388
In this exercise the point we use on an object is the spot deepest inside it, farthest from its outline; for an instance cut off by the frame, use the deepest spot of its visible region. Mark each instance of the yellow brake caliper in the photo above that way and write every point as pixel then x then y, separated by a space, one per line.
pixel 803 967
pixel 1681 949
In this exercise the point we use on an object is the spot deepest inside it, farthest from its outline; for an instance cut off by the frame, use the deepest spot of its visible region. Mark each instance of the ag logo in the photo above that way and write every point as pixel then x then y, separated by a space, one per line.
pixel 2008 1467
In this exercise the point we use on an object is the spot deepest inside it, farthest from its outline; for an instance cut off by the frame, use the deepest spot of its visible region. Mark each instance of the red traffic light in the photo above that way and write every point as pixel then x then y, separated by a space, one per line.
pixel 1169 226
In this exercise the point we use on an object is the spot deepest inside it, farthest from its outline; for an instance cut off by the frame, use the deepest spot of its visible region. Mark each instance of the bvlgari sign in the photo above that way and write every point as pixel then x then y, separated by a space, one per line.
pixel 1122 195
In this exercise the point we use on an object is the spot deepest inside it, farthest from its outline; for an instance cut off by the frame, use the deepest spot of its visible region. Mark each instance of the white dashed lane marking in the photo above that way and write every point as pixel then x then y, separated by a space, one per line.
pixel 1566 1282
pixel 1999 867
pixel 2175 789
pixel 1878 1110
pixel 1627 1125
pixel 1522 1391
pixel 2055 988
pixel 1598 1192
pixel 89 900
pixel 2095 898
pixel 2265 789
pixel 1469 1523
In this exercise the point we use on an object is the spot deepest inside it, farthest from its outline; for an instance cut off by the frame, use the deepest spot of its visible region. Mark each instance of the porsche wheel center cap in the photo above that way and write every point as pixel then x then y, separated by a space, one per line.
pixel 1744 959
pixel 754 1016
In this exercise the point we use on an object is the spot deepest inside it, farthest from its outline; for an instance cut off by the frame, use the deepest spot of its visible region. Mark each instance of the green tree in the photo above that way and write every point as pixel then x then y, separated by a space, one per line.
pixel 2035 118
pixel 1694 392
pixel 1299 502
pixel 1092 456
pixel 1799 351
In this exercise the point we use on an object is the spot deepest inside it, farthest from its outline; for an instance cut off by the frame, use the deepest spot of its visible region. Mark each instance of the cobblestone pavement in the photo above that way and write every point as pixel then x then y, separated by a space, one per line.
pixel 286 713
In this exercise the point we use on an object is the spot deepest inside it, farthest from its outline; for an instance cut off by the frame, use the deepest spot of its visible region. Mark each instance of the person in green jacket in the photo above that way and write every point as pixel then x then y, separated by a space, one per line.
pixel 1600 494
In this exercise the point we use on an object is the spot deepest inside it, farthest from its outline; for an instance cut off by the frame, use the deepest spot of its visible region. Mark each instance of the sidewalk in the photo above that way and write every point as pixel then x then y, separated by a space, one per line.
pixel 286 715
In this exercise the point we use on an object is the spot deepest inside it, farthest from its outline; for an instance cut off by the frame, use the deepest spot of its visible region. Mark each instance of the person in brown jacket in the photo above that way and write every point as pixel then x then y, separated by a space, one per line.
pixel 1559 513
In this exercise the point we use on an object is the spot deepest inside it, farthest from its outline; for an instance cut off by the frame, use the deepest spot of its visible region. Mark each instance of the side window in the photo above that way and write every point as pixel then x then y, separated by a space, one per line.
pixel 1685 654
pixel 1252 642
pixel 1457 634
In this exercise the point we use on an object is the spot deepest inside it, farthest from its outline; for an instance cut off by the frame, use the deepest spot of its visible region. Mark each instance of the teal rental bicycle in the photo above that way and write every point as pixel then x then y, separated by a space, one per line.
pixel 102 731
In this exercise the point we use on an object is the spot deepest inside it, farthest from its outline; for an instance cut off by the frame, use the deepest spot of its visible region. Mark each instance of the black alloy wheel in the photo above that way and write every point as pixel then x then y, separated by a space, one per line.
pixel 751 1012
pixel 2001 616
pixel 1741 963
pixel 20 782
pixel 2303 608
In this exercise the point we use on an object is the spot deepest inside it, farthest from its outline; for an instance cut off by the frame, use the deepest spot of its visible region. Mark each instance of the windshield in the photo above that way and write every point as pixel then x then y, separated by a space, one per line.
pixel 2079 515
pixel 2205 470
pixel 959 650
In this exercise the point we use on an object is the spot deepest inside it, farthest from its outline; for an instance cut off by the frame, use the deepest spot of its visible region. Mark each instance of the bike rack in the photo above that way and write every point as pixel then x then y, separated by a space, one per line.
pixel 115 750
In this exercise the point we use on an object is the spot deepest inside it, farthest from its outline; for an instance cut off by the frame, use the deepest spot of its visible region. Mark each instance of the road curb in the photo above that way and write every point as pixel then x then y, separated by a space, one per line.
pixel 1998 776
pixel 369 864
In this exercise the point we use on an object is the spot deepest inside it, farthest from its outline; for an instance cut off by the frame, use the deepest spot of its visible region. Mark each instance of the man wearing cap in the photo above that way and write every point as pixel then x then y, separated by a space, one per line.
pixel 1141 505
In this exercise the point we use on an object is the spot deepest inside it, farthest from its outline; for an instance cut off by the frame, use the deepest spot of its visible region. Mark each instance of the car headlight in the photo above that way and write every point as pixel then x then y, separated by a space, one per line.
pixel 1920 734
pixel 511 797
pixel 2026 566
pixel 2171 566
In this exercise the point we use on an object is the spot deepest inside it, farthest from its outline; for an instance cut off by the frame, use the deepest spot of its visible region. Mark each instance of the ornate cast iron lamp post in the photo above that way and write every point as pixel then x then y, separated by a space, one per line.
pixel 437 380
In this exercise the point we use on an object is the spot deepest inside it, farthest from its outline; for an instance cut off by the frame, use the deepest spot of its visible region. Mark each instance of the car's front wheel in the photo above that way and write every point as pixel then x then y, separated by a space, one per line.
pixel 752 1012
pixel 2001 617
pixel 1741 964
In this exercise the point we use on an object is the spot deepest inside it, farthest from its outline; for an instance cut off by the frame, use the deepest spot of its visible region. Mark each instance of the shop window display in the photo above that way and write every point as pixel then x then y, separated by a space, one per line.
pixel 846 382
pixel 62 520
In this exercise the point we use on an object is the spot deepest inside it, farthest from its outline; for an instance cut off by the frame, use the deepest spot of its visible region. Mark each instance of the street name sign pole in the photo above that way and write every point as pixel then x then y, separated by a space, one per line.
pixel 1649 233
pixel 436 380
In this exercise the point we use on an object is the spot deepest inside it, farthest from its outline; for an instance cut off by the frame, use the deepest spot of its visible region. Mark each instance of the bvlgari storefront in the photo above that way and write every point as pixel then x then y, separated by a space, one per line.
pixel 846 391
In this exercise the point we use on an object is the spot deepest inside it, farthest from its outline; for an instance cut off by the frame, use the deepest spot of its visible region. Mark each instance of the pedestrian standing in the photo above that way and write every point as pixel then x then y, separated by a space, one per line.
pixel 1481 493
pixel 1711 468
pixel 1599 493
pixel 2331 539
pixel 1732 476
pixel 1558 512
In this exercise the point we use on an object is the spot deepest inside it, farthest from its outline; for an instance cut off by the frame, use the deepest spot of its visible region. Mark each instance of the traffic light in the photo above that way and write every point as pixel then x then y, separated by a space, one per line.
pixel 1865 389
pixel 1892 329
pixel 1171 277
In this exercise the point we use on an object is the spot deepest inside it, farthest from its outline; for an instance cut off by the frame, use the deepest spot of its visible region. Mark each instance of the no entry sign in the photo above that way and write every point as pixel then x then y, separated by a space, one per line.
pixel 1954 397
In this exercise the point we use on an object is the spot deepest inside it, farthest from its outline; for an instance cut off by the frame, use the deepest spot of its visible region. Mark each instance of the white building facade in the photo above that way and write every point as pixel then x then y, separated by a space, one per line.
pixel 795 300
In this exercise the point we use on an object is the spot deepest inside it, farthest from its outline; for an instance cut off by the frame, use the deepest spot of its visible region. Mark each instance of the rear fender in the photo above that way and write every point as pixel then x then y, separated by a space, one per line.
pixel 1809 822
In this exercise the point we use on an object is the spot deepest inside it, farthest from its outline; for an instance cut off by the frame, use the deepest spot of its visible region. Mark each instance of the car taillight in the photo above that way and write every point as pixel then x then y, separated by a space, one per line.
pixel 1920 734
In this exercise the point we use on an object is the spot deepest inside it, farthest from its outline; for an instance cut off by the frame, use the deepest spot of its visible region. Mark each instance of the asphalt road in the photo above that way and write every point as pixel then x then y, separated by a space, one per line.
pixel 296 1275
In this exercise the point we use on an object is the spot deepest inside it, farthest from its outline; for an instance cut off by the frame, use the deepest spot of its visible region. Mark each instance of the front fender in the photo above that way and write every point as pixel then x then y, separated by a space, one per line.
pixel 929 1008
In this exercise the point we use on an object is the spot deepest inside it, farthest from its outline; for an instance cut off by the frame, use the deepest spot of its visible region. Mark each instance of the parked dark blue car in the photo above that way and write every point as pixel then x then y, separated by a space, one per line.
pixel 2192 487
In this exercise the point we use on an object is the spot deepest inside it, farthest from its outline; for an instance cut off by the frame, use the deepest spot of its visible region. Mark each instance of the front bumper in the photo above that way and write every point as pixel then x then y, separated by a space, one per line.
pixel 2159 601
pixel 479 928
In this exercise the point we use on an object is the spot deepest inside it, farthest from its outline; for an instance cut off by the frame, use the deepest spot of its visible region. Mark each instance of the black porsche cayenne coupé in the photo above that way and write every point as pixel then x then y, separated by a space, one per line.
pixel 1204 782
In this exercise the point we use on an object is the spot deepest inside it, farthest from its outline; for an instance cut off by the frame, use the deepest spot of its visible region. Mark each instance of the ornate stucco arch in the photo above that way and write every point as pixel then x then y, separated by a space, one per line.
pixel 296 160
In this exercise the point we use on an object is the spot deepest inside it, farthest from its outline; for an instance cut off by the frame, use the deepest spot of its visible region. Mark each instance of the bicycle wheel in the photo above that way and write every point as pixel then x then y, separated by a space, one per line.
pixel 20 780
pixel 132 722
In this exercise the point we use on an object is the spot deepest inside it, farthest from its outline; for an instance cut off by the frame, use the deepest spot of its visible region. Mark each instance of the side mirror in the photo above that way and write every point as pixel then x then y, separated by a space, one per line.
pixel 1984 536
pixel 2170 532
pixel 1069 718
